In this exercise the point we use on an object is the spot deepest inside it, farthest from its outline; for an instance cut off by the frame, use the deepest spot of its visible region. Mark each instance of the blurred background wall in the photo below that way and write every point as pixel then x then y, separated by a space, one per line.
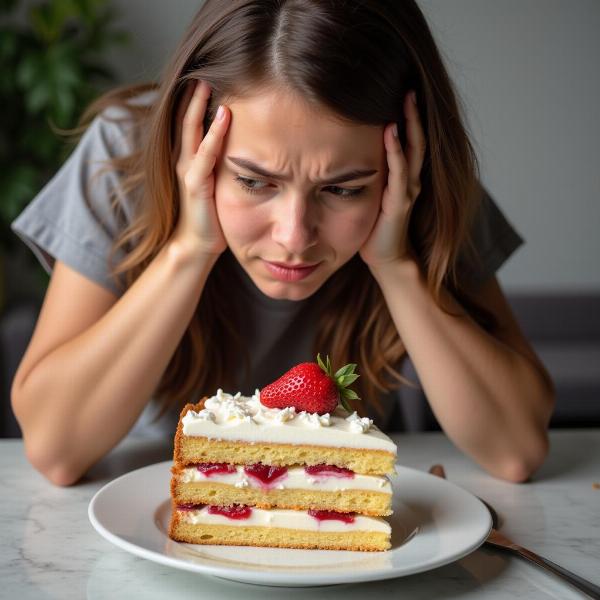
pixel 528 74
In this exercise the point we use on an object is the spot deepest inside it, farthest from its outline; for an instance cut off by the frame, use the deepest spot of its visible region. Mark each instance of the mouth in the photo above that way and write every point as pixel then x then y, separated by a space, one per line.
pixel 290 272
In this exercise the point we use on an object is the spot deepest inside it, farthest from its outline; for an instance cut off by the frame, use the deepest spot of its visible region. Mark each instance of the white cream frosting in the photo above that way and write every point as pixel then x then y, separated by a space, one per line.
pixel 287 519
pixel 295 478
pixel 244 418
pixel 358 424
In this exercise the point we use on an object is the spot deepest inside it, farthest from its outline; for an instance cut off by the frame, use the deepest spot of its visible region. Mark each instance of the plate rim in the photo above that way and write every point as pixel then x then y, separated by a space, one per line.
pixel 255 576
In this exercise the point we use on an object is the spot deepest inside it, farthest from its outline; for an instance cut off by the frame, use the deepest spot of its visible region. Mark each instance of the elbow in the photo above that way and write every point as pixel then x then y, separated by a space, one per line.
pixel 57 471
pixel 520 468
pixel 42 454
pixel 62 476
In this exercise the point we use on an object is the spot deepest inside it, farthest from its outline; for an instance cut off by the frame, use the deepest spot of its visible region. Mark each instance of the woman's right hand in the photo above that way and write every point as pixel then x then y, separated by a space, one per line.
pixel 198 226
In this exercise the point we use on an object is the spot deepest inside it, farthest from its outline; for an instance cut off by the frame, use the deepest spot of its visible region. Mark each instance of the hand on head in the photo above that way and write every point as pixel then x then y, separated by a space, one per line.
pixel 389 240
pixel 198 224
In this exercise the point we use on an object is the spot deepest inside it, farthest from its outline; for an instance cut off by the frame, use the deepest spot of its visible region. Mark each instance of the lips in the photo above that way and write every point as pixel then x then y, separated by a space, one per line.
pixel 293 266
pixel 290 272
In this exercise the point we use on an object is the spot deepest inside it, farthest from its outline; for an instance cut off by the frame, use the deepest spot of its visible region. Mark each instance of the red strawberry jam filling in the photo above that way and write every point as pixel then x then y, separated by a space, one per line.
pixel 331 515
pixel 237 512
pixel 208 469
pixel 266 475
pixel 190 506
pixel 328 471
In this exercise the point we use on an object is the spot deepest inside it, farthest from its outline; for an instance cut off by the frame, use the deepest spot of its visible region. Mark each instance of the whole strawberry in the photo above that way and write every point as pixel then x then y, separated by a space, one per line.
pixel 311 387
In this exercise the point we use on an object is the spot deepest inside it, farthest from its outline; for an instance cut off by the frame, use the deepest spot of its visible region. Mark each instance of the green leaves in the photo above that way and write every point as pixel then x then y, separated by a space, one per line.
pixel 343 377
pixel 346 395
pixel 325 366
pixel 53 82
pixel 18 186
pixel 7 6
pixel 347 379
pixel 53 66
pixel 58 63
pixel 51 19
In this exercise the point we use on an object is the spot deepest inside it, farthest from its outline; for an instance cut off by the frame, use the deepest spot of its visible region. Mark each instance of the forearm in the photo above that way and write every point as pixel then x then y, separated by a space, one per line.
pixel 83 398
pixel 490 400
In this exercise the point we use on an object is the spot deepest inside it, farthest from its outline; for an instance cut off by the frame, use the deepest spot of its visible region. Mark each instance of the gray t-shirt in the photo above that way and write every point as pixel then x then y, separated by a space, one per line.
pixel 71 220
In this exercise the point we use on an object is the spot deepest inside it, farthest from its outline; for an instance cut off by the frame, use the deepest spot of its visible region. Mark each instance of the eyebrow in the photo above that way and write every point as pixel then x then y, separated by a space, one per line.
pixel 258 170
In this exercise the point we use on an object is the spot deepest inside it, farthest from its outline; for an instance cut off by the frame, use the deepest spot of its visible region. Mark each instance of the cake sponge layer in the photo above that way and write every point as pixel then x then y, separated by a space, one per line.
pixel 190 450
pixel 276 537
pixel 365 502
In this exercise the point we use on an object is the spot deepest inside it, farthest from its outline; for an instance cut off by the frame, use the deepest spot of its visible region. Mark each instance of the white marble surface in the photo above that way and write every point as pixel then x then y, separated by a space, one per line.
pixel 50 550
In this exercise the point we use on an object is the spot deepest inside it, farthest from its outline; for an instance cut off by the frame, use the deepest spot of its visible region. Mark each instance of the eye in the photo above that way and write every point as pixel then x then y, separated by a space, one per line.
pixel 252 186
pixel 346 192
pixel 248 184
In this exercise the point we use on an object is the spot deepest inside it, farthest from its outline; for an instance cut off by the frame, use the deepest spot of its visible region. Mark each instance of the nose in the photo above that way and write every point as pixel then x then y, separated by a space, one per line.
pixel 295 223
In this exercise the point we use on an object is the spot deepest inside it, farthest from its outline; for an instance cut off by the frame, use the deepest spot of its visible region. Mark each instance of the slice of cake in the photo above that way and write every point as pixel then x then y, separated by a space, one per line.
pixel 249 474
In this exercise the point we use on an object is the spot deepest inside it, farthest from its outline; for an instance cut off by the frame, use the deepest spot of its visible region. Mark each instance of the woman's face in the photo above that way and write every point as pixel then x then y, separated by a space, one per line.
pixel 288 192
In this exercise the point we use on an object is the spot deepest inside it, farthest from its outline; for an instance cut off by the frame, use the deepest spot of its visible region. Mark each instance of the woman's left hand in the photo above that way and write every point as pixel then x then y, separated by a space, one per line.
pixel 388 242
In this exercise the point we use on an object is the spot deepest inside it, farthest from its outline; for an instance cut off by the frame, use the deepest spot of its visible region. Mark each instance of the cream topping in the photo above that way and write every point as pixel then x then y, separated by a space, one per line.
pixel 295 478
pixel 244 418
pixel 286 519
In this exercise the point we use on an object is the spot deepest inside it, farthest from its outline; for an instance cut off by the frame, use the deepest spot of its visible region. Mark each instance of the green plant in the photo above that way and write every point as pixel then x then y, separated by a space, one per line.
pixel 53 65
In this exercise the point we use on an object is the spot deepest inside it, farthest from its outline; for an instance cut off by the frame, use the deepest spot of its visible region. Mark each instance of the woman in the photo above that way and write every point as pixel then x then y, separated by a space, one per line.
pixel 218 248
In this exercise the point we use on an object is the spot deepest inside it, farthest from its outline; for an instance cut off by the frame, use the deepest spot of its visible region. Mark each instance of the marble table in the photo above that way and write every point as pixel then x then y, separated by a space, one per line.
pixel 50 550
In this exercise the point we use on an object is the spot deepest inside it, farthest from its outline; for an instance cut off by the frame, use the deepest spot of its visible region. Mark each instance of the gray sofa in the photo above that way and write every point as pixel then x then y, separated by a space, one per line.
pixel 565 331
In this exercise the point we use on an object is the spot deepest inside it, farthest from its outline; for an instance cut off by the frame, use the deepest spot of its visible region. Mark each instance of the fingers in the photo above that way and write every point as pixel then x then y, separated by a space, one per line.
pixel 415 141
pixel 395 190
pixel 405 166
pixel 192 129
pixel 197 177
pixel 181 108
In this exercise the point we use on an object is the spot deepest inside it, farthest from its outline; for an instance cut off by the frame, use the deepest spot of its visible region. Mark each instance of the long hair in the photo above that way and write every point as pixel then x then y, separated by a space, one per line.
pixel 357 58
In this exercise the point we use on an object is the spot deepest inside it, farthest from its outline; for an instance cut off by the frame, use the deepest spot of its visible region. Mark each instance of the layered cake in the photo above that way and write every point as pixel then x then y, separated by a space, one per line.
pixel 246 473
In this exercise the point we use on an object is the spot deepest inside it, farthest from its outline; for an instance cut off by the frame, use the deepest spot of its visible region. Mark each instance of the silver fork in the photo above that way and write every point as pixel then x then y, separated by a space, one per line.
pixel 499 540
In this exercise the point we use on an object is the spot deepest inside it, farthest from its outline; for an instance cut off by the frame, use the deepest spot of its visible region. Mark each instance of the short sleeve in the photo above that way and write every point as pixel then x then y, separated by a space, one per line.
pixel 72 219
pixel 494 240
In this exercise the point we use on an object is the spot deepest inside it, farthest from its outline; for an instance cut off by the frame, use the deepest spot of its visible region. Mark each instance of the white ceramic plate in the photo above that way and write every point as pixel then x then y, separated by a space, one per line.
pixel 434 523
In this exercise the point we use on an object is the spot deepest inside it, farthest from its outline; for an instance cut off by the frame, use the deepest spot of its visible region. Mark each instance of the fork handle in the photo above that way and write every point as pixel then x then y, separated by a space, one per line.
pixel 592 590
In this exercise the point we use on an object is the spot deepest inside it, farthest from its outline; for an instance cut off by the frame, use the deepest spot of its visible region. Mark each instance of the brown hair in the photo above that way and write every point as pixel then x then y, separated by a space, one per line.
pixel 357 59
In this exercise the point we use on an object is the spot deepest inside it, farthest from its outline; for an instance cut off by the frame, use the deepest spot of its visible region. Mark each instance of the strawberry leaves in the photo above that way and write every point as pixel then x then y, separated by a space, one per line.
pixel 343 378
